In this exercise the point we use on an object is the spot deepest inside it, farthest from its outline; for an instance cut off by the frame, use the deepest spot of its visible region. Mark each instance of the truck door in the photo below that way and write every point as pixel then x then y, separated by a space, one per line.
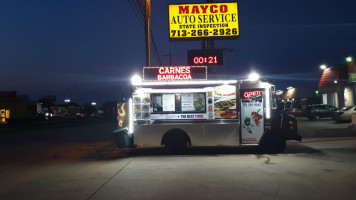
pixel 251 116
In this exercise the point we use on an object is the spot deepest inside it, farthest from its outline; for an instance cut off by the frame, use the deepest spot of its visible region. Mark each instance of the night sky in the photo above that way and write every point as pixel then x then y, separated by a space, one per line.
pixel 87 50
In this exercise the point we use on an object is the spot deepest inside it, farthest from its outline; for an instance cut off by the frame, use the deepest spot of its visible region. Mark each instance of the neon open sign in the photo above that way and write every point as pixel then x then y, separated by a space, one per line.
pixel 175 73
pixel 250 94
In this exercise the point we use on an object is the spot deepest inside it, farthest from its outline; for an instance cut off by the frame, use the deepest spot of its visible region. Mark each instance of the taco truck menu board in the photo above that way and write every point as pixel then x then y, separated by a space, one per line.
pixel 252 120
pixel 225 102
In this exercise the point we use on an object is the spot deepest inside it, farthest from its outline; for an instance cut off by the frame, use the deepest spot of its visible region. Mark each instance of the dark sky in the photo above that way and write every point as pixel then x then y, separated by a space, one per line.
pixel 87 50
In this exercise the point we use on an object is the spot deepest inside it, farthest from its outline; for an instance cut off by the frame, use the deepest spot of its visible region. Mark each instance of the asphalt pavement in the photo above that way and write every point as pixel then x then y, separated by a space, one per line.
pixel 82 162
pixel 324 128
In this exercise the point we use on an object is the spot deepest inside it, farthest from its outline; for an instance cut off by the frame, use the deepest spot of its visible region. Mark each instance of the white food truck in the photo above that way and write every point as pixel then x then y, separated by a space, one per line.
pixel 177 107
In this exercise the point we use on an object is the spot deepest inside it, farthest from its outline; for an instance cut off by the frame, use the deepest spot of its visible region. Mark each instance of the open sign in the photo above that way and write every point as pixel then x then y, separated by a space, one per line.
pixel 250 94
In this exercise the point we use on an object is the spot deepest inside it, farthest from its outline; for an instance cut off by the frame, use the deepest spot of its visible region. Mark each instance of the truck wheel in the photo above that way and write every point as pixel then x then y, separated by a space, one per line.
pixel 273 144
pixel 175 141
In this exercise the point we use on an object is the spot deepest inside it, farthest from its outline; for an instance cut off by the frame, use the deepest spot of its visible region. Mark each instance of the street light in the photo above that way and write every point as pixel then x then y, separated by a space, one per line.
pixel 322 67
pixel 93 103
pixel 349 59
pixel 67 102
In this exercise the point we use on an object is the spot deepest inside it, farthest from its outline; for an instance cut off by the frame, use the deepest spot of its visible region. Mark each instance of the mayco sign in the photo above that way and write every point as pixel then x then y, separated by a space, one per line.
pixel 187 21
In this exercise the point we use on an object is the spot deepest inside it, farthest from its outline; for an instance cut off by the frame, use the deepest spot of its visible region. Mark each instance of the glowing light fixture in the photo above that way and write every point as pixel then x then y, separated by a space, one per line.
pixel 349 59
pixel 253 76
pixel 323 67
pixel 131 127
pixel 268 101
pixel 140 83
pixel 135 79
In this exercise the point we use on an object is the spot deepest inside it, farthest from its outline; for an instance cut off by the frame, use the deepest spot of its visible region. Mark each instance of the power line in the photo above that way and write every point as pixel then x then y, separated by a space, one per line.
pixel 138 8
pixel 136 12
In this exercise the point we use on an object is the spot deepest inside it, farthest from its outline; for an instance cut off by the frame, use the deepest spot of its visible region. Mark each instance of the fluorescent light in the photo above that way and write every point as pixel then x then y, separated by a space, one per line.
pixel 190 90
pixel 268 101
pixel 131 128
pixel 185 82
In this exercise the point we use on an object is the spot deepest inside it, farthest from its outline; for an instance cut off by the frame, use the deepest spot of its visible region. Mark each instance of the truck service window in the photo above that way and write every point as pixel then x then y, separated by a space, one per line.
pixel 179 103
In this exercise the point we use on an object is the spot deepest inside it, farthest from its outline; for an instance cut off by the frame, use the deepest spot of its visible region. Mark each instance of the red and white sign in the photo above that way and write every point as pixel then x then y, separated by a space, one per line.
pixel 175 73
pixel 250 94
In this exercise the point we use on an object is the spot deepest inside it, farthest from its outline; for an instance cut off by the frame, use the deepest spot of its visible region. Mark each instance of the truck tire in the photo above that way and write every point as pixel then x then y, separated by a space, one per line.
pixel 273 144
pixel 175 141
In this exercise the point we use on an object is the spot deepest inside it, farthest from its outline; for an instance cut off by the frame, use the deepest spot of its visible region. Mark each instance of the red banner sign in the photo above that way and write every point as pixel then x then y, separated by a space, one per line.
pixel 175 73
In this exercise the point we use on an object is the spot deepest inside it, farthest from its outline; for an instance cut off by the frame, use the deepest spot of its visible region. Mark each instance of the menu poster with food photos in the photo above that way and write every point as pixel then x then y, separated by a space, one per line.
pixel 252 119
pixel 225 102
pixel 141 106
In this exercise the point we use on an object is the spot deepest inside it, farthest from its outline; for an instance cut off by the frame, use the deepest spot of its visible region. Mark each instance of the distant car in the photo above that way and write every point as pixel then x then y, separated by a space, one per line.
pixel 344 114
pixel 318 111
pixel 297 112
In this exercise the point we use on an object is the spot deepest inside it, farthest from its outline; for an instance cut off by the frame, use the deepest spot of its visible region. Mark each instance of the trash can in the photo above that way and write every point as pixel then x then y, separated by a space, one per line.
pixel 122 137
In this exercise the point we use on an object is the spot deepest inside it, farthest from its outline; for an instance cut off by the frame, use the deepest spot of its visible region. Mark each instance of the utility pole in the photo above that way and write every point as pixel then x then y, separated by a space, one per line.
pixel 148 31
pixel 170 57
pixel 208 44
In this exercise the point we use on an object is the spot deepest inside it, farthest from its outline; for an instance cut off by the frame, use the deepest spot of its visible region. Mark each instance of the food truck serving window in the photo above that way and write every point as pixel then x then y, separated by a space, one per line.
pixel 179 103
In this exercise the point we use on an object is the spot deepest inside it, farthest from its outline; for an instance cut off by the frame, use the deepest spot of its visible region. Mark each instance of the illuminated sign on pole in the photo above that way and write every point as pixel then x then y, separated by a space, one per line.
pixel 198 21
pixel 199 57
pixel 175 73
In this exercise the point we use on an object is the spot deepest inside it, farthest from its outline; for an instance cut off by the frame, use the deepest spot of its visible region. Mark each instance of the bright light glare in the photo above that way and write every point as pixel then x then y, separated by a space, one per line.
pixel 268 101
pixel 135 79
pixel 184 82
pixel 322 66
pixel 253 76
pixel 191 90
pixel 349 59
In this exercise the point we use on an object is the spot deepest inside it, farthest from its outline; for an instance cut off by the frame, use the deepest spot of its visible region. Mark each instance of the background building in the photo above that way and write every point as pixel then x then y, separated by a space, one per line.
pixel 337 85
pixel 17 107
